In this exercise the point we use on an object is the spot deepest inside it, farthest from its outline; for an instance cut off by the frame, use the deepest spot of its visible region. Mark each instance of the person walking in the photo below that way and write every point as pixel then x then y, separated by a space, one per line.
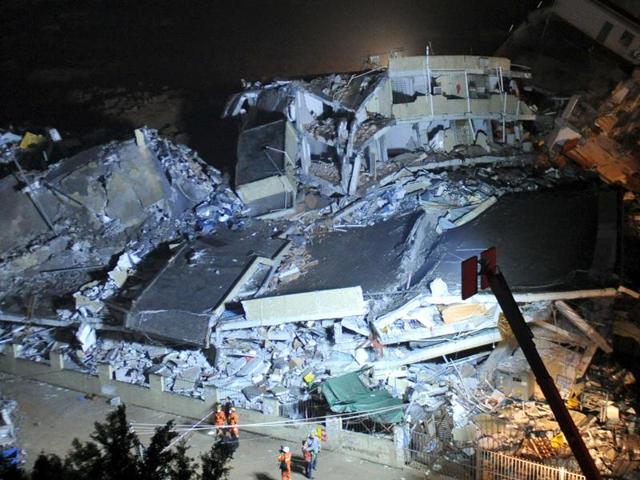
pixel 233 420
pixel 284 460
pixel 307 454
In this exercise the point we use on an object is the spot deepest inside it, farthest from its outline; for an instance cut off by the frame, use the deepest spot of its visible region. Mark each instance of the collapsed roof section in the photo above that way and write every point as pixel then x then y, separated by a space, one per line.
pixel 215 270
pixel 331 129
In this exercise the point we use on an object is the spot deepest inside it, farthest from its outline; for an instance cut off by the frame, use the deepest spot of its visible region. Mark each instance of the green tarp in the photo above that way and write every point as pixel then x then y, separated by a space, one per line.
pixel 348 394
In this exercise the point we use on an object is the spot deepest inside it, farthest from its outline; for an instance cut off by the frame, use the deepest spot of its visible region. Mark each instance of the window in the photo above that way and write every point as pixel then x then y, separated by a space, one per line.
pixel 626 38
pixel 604 32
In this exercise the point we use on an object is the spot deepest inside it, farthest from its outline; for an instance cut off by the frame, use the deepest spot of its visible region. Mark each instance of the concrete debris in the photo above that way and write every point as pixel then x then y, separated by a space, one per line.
pixel 357 198
pixel 602 136
pixel 7 428
pixel 338 127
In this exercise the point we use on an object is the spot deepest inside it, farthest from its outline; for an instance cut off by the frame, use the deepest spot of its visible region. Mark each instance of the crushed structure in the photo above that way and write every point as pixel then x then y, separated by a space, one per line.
pixel 333 266
pixel 338 128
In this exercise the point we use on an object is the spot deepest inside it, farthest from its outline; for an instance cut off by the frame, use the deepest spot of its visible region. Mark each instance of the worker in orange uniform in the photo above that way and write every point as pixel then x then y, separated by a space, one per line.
pixel 233 421
pixel 218 421
pixel 284 460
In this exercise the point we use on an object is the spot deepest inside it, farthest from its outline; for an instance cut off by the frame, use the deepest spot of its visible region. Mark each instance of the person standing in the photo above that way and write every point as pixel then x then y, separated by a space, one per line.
pixel 218 422
pixel 314 445
pixel 284 460
pixel 307 454
pixel 227 406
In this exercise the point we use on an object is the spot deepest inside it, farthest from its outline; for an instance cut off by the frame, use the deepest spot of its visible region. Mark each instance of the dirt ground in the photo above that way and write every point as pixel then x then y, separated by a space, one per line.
pixel 48 418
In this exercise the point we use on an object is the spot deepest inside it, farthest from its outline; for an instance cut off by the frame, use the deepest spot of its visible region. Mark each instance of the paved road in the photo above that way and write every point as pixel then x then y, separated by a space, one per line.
pixel 49 417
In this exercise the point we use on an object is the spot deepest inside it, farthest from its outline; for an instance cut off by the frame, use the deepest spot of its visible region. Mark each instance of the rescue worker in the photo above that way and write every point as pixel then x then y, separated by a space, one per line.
pixel 233 421
pixel 228 404
pixel 218 422
pixel 307 455
pixel 284 460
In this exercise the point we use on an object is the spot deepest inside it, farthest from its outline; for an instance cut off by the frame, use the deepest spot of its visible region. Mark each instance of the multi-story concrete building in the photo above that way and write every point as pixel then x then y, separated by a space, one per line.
pixel 328 130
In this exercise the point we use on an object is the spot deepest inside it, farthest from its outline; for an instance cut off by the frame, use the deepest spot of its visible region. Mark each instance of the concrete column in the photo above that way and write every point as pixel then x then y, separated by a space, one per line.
pixel 156 382
pixel 373 157
pixel 345 171
pixel 355 175
pixel 305 155
pixel 382 145
pixel 15 349
pixel 271 407
pixel 334 429
pixel 57 360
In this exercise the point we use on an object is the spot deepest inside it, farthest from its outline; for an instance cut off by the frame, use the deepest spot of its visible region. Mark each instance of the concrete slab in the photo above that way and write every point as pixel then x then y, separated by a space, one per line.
pixel 209 269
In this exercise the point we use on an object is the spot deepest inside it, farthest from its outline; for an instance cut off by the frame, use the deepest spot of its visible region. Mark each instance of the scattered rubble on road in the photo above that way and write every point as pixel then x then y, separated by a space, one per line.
pixel 338 254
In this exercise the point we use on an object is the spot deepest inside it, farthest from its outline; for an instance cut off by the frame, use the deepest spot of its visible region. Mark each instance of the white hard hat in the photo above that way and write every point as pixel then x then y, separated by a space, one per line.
pixel 285 449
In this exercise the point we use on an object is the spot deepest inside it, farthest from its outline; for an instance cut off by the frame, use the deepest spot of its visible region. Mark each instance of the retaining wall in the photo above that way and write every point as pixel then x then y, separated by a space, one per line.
pixel 155 397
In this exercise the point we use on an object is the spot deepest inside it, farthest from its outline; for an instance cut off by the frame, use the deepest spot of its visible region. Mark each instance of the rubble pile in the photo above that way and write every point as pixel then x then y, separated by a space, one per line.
pixel 602 136
pixel 121 200
pixel 7 428
pixel 351 266
pixel 494 402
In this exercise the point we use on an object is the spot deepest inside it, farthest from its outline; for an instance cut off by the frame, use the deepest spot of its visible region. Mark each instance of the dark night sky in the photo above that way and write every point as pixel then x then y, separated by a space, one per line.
pixel 50 47
pixel 198 43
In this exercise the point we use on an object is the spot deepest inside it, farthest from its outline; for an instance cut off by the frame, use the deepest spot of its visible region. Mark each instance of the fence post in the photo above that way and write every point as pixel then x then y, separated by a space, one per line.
pixel 56 359
pixel 271 407
pixel 562 473
pixel 156 382
pixel 15 349
pixel 479 463
pixel 211 395
pixel 401 443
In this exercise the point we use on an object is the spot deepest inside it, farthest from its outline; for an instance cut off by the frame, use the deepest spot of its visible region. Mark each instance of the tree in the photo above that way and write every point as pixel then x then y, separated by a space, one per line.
pixel 214 462
pixel 115 453
pixel 183 468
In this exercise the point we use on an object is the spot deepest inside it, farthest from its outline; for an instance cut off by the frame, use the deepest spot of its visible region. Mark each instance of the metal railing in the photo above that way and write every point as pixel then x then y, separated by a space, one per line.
pixel 495 465
pixel 312 407
pixel 442 458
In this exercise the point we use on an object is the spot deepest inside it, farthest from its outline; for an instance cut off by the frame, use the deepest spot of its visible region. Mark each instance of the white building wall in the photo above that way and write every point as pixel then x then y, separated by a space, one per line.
pixel 591 18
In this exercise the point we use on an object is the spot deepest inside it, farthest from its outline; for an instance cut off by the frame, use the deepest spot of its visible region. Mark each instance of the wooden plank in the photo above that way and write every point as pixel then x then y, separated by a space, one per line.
pixel 585 361
pixel 573 316
pixel 463 311
pixel 564 334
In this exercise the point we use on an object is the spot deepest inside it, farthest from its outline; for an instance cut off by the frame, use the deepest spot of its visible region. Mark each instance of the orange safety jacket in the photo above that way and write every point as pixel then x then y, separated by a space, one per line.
pixel 219 419
pixel 233 418
pixel 306 454
pixel 286 458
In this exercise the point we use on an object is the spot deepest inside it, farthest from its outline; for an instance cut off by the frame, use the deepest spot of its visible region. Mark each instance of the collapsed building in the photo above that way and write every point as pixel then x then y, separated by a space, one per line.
pixel 339 126
pixel 336 261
